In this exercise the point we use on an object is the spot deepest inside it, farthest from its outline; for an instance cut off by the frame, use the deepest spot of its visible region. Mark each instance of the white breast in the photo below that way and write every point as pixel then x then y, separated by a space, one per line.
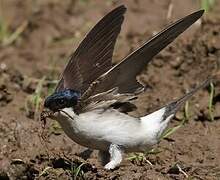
pixel 97 129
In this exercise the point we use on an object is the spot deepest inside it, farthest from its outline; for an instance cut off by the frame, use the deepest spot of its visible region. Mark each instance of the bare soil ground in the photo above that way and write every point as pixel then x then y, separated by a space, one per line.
pixel 29 151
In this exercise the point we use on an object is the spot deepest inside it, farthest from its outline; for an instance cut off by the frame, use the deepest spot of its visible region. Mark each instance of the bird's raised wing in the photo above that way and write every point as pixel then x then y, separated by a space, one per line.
pixel 94 55
pixel 123 75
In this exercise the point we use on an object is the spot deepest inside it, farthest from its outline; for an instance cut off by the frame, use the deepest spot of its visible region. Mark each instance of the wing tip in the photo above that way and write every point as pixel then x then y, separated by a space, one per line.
pixel 121 8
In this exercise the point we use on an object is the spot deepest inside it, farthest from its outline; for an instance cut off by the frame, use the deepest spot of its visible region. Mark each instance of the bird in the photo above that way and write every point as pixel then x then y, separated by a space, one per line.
pixel 93 97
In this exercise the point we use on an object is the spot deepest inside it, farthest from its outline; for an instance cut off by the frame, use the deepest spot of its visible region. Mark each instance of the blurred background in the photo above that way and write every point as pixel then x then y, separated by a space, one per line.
pixel 36 39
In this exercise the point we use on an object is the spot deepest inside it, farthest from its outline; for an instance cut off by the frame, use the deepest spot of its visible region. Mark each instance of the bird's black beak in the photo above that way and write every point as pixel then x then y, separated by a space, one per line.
pixel 45 113
pixel 47 103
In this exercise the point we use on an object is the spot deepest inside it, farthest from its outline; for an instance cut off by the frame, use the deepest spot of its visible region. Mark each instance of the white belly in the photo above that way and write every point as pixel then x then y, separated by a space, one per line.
pixel 97 130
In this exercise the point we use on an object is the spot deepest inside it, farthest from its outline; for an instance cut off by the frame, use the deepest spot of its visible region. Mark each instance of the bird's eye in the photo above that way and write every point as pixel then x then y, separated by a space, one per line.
pixel 60 102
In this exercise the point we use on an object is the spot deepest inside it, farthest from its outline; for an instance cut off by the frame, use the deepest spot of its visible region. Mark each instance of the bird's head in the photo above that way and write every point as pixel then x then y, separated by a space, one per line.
pixel 62 99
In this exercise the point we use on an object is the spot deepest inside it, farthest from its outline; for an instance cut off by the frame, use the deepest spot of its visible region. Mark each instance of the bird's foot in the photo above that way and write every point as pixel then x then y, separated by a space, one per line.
pixel 111 165
pixel 115 157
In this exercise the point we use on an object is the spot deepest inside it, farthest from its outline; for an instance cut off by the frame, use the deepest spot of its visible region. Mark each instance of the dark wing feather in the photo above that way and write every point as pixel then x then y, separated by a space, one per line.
pixel 123 75
pixel 105 100
pixel 94 55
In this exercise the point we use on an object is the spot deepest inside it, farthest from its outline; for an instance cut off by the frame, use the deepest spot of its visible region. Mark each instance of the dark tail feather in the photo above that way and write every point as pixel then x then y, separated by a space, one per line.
pixel 174 106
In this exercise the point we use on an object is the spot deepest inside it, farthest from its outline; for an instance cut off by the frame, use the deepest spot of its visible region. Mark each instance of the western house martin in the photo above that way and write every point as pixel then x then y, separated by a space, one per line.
pixel 92 99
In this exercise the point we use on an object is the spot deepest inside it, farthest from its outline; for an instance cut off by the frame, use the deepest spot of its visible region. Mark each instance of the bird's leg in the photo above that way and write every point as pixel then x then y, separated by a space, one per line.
pixel 104 157
pixel 86 154
pixel 115 157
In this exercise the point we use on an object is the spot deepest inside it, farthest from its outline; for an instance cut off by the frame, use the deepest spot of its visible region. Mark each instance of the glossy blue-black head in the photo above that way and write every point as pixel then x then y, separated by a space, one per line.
pixel 62 99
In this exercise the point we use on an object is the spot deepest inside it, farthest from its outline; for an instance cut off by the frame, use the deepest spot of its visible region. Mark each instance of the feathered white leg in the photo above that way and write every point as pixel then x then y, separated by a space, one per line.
pixel 115 157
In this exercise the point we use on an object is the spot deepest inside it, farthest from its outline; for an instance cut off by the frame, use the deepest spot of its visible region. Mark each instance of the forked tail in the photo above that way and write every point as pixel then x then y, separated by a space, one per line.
pixel 174 106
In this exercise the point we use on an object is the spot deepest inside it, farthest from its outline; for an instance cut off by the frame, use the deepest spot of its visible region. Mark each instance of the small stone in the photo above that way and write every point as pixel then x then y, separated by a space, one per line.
pixel 3 66
pixel 176 63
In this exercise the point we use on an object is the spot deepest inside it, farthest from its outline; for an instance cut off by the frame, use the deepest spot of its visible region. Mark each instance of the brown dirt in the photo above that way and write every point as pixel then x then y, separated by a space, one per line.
pixel 54 29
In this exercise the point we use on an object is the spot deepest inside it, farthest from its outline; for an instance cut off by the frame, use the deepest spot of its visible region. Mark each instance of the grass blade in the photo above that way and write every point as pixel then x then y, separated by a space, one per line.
pixel 210 105
pixel 207 4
